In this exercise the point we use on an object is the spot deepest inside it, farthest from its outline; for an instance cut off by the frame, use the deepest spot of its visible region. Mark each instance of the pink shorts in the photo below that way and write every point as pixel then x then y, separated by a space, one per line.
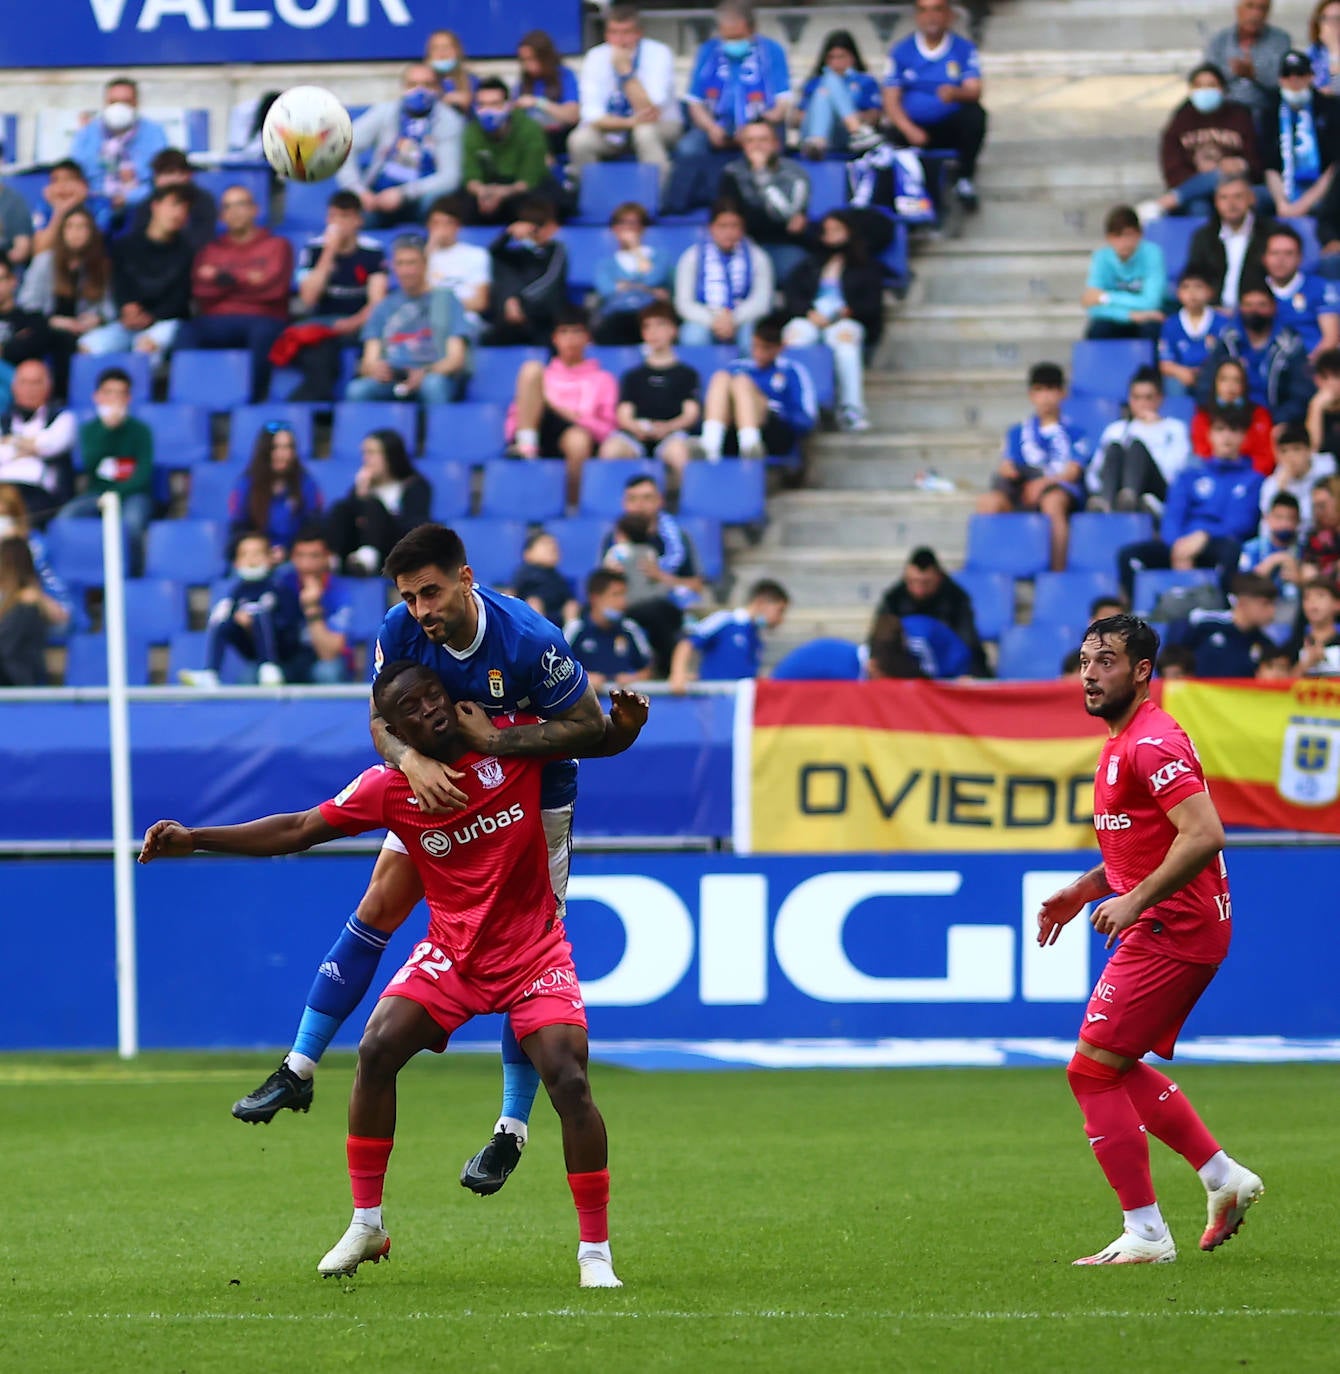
pixel 543 991
pixel 1141 1001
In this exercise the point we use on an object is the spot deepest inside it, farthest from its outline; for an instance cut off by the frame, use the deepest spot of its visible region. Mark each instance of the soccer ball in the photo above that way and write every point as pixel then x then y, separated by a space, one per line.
pixel 307 134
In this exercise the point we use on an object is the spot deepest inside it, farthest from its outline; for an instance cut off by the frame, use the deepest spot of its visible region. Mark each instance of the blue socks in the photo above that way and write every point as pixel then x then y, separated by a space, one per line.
pixel 345 975
pixel 520 1080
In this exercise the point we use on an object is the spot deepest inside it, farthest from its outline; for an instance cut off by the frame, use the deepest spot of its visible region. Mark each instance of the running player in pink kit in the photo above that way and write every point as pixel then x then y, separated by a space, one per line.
pixel 1161 841
pixel 494 942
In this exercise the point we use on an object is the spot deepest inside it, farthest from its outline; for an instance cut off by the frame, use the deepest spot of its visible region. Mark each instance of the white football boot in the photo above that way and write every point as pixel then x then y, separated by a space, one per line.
pixel 1129 1248
pixel 597 1269
pixel 1228 1205
pixel 360 1242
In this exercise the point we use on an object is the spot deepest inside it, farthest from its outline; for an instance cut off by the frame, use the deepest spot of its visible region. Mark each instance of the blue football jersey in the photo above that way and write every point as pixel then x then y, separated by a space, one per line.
pixel 518 662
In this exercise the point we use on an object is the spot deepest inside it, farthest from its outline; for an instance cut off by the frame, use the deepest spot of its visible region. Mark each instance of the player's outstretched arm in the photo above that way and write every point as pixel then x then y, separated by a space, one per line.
pixel 578 732
pixel 271 835
pixel 628 714
pixel 1066 903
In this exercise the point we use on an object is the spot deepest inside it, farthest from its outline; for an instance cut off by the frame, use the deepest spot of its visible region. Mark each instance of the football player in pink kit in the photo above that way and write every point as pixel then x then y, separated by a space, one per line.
pixel 494 942
pixel 1161 841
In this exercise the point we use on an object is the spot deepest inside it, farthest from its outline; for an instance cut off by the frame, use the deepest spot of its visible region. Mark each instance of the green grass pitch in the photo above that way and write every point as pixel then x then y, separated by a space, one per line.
pixel 875 1220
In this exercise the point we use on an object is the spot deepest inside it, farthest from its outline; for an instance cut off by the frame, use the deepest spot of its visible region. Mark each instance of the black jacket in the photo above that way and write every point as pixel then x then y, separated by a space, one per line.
pixel 538 279
pixel 157 276
pixel 950 605
pixel 200 228
pixel 1208 255
pixel 862 292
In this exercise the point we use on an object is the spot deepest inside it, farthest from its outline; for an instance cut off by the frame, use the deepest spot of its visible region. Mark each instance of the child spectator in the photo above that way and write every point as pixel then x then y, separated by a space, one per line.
pixel 321 653
pixel 565 407
pixel 547 91
pixel 276 495
pixel 1297 470
pixel 772 193
pixel 1139 457
pixel 530 277
pixel 1231 643
pixel 728 645
pixel 388 499
pixel 1185 338
pixel 761 406
pixel 613 649
pixel 1042 462
pixel 1176 663
pixel 1321 543
pixel 23 630
pixel 723 284
pixel 1124 293
pixel 539 583
pixel 840 104
pixel 1227 393
pixel 1274 665
pixel 1323 410
pixel 1315 646
pixel 1274 552
pixel 633 276
pixel 55 600
pixel 464 269
pixel 658 399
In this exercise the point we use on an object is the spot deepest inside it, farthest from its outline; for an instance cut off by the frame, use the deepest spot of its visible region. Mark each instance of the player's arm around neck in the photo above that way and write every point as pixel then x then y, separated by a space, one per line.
pixel 578 732
pixel 291 833
pixel 431 782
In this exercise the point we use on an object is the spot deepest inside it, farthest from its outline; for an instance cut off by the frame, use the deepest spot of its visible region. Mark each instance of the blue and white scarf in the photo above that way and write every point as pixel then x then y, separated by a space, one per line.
pixel 1300 158
pixel 410 156
pixel 739 90
pixel 890 178
pixel 1048 450
pixel 619 104
pixel 723 282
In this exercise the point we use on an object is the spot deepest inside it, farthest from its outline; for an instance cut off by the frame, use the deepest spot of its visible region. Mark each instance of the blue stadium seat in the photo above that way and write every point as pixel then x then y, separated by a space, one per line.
pixel 181 433
pixel 674 240
pixel 1033 653
pixel 1173 234
pixel 1181 408
pixel 732 492
pixel 1103 367
pixel 817 360
pixel 86 368
pixel 494 377
pixel 705 535
pixel 604 479
pixel 255 179
pixel 705 359
pixel 616 359
pixel 469 432
pixel 605 185
pixel 189 551
pixel 217 378
pixel 355 420
pixel 74 548
pixel 284 381
pixel 579 540
pixel 155 609
pixel 1017 545
pixel 516 490
pixel 1095 538
pixel 86 661
pixel 334 477
pixel 248 421
pixel 1151 583
pixel 367 596
pixel 1092 414
pixel 492 547
pixel 451 489
pixel 828 187
pixel 586 245
pixel 992 596
pixel 305 205
pixel 1064 598
pixel 211 486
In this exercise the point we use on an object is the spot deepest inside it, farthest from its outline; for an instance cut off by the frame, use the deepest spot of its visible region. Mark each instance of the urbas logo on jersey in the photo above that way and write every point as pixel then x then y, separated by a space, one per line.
pixel 439 843
pixel 1172 769
pixel 557 669
pixel 1108 820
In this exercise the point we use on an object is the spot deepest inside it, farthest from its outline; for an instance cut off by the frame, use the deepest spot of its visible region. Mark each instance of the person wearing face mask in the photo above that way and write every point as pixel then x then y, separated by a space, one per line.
pixel 728 645
pixel 1273 355
pixel 505 157
pixel 1300 135
pixel 445 55
pixel 1228 392
pixel 116 150
pixel 406 152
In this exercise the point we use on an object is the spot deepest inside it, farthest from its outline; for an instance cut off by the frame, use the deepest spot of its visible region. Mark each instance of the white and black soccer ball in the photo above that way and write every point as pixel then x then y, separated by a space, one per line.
pixel 307 134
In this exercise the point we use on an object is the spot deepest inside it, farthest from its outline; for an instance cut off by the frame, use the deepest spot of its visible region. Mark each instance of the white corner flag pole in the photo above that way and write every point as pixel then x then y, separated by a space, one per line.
pixel 118 718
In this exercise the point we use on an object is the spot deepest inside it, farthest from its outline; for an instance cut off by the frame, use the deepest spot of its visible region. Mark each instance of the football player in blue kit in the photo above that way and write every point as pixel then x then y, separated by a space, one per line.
pixel 497 651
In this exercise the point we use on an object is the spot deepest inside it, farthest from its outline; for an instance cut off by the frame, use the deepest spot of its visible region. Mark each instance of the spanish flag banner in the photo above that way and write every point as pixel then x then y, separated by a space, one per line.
pixel 1271 751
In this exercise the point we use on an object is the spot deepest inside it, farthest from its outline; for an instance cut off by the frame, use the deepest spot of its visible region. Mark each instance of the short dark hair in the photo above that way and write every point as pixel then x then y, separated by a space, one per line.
pixel 534 538
pixel 1120 219
pixel 1324 484
pixel 1232 417
pixel 1295 435
pixel 1276 654
pixel 1070 663
pixel 1206 69
pixel 426 546
pixel 1193 273
pixel 114 374
pixel 537 210
pixel 637 479
pixel 630 207
pixel 1253 584
pixel 769 589
pixel 121 81
pixel 1320 584
pixel 493 83
pixel 769 328
pixel 1287 500
pixel 1146 376
pixel 1327 364
pixel 1176 656
pixel 345 200
pixel 600 581
pixel 5 264
pixel 1108 599
pixel 571 316
pixel 456 205
pixel 68 164
pixel 1285 231
pixel 173 192
pixel 658 310
pixel 1137 635
pixel 169 160
pixel 923 558
pixel 312 532
pixel 241 538
pixel 724 205
pixel 1048 375
pixel 386 679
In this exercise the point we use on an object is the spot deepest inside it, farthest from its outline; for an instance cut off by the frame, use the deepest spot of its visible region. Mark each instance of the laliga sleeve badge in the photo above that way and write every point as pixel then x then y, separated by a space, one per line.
pixel 496 683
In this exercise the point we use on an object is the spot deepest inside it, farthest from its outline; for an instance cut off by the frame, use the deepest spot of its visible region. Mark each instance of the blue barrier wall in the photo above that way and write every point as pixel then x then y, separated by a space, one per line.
pixel 684 946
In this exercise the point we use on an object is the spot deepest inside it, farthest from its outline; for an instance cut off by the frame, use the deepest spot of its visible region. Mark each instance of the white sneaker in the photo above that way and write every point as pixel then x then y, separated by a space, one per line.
pixel 597 1268
pixel 754 450
pixel 1148 211
pixel 198 677
pixel 853 420
pixel 1130 1249
pixel 360 1242
pixel 1228 1205
pixel 270 675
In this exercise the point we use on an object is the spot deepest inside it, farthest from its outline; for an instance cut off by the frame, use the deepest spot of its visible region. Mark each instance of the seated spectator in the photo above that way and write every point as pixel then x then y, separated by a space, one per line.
pixel 406 151
pixel 55 601
pixel 1231 643
pixel 1042 462
pixel 504 159
pixel 240 282
pixel 259 617
pixel 390 496
pixel 937 649
pixel 246 120
pixel 24 333
pixel 1323 32
pixel 1139 457
pixel 1176 663
pixel 738 76
pixel 633 276
pixel 1124 293
pixel 546 90
pixel 837 296
pixel 933 92
pixel 446 56
pixel 1250 51
pixel 538 582
pixel 151 282
pixel 649 546
pixel 1272 354
pixel 1297 470
pixel 658 399
pixel 1206 137
pixel 1321 543
pixel 1274 665
pixel 1228 391
pixel 171 167
pixel 723 283
pixel 115 150
pixel 464 269
pixel 16 226
pixel 1300 134
pixel 1232 238
pixel 1307 305
pixel 1323 410
pixel 1070 665
pixel 566 406
pixel 37 438
pixel 1213 508
pixel 1186 337
pixel 276 495
pixel 341 280
pixel 840 105
pixel 1103 606
pixel 117 451
pixel 530 277
pixel 927 590
pixel 321 653
pixel 1315 645
pixel 760 406
pixel 727 646
pixel 613 649
pixel 416 340
pixel 772 192
pixel 627 91
pixel 23 630
pixel 66 188
pixel 1273 553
